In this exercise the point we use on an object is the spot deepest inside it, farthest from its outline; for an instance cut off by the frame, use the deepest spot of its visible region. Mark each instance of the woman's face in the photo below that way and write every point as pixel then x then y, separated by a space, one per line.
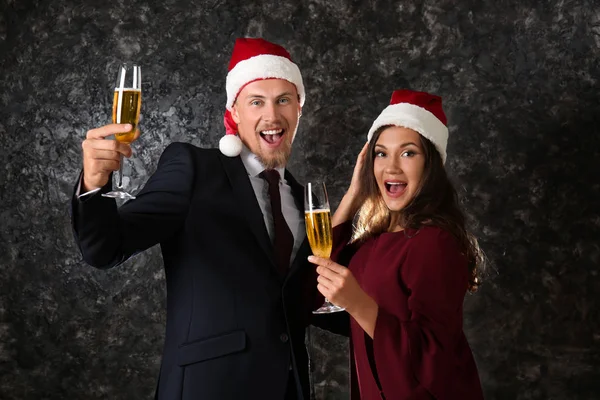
pixel 398 164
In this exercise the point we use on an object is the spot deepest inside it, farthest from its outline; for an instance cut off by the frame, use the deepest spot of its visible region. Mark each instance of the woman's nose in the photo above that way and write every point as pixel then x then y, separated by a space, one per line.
pixel 393 166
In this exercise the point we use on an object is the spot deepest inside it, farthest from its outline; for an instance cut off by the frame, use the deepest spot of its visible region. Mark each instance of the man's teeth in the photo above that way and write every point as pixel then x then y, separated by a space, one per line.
pixel 272 132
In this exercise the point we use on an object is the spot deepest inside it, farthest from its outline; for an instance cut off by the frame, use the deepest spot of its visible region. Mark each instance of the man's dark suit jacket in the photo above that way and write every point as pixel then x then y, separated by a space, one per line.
pixel 234 325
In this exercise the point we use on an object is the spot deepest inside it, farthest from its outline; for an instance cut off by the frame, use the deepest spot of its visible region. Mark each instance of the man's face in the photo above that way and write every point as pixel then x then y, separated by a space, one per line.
pixel 267 113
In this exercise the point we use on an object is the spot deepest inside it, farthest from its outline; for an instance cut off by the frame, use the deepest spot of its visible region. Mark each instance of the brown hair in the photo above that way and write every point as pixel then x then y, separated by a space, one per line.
pixel 435 204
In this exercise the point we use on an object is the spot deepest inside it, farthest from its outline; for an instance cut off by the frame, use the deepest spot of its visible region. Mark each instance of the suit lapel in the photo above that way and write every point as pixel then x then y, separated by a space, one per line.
pixel 242 188
pixel 304 249
pixel 297 190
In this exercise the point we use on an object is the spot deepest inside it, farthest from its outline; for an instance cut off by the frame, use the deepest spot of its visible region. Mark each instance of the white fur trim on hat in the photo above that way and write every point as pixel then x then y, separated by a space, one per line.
pixel 230 145
pixel 262 67
pixel 416 118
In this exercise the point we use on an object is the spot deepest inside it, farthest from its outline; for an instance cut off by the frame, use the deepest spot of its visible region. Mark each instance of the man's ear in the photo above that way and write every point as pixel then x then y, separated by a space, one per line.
pixel 234 114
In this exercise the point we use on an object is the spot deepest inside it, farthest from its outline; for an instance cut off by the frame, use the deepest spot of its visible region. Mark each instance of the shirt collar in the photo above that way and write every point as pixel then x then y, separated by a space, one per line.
pixel 253 165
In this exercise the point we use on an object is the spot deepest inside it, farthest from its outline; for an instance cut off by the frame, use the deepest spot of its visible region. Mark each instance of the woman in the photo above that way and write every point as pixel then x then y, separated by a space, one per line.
pixel 410 260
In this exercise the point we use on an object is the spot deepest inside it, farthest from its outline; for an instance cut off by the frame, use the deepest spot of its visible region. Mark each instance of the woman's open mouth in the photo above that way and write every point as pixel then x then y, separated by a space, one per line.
pixel 395 188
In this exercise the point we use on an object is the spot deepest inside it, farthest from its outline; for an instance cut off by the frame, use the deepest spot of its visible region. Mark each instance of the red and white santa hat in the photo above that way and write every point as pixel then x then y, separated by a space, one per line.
pixel 253 59
pixel 419 111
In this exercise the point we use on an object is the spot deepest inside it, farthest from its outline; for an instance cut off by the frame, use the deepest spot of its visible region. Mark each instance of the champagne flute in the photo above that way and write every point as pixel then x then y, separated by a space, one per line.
pixel 317 216
pixel 127 102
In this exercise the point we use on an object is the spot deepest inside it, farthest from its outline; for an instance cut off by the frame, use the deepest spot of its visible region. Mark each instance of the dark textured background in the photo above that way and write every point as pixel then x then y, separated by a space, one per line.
pixel 520 83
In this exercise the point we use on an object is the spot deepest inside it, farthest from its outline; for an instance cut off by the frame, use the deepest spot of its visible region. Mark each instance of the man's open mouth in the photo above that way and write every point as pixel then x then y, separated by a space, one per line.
pixel 272 136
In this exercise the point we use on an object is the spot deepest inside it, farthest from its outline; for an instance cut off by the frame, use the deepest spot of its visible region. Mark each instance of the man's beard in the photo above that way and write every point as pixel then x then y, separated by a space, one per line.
pixel 277 160
pixel 280 159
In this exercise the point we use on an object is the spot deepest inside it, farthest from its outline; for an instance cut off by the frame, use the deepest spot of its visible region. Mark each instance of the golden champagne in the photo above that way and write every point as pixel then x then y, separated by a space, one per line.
pixel 318 230
pixel 131 103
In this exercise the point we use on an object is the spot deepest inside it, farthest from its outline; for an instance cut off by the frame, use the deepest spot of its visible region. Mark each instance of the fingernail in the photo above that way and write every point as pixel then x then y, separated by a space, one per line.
pixel 128 126
pixel 311 258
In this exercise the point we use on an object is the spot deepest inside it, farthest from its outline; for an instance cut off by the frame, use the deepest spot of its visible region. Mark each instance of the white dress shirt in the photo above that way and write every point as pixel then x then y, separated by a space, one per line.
pixel 293 216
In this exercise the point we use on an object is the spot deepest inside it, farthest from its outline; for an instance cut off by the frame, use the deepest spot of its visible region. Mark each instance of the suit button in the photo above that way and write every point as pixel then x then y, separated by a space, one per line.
pixel 284 337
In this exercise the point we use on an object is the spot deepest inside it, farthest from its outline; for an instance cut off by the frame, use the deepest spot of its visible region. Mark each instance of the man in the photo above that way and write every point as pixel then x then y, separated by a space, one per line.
pixel 239 289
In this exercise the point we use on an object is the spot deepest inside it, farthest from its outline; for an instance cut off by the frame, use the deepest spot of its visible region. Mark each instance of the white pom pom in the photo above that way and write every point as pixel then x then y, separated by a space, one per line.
pixel 230 145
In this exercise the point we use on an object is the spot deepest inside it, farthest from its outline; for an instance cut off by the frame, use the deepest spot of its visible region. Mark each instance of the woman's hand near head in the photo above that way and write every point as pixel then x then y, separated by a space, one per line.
pixel 348 206
pixel 355 184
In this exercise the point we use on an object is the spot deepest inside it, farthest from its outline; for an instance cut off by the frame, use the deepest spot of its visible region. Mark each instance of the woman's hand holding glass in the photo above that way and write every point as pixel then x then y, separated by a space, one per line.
pixel 317 215
pixel 337 283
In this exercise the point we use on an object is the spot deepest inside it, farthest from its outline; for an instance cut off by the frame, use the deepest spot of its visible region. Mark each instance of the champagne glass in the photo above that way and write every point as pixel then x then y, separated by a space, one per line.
pixel 317 216
pixel 127 102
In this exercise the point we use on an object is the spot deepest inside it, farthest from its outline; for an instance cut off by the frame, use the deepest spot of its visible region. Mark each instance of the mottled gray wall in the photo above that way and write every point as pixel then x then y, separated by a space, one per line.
pixel 520 82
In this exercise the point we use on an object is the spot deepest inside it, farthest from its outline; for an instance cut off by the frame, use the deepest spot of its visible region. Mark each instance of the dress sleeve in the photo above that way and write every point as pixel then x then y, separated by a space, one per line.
pixel 342 234
pixel 434 274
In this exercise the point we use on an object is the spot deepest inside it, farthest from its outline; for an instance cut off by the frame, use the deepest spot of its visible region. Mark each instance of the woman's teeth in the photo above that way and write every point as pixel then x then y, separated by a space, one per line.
pixel 394 187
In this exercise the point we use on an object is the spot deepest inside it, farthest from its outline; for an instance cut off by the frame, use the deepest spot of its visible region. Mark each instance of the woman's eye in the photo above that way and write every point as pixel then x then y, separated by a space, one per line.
pixel 379 154
pixel 408 153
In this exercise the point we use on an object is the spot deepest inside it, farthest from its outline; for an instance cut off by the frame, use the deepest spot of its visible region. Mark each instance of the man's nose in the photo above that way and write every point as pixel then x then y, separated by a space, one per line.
pixel 269 112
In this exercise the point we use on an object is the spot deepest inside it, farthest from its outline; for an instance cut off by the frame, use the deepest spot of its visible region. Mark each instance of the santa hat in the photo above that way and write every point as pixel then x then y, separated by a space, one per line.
pixel 418 111
pixel 252 60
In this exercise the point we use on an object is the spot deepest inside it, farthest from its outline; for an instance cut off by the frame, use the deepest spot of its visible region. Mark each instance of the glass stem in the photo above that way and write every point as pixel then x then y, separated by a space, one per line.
pixel 120 180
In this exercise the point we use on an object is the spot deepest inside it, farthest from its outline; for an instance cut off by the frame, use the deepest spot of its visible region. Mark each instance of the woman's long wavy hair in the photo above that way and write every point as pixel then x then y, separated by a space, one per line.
pixel 435 204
